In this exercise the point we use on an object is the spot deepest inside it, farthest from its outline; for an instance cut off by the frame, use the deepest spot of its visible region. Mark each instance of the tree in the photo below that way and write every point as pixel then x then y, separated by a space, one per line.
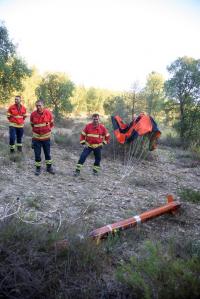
pixel 154 92
pixel 79 100
pixel 12 68
pixel 132 99
pixel 92 100
pixel 116 105
pixel 184 89
pixel 30 84
pixel 56 90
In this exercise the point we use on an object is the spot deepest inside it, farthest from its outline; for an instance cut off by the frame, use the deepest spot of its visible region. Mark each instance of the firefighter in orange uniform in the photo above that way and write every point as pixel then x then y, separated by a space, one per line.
pixel 16 115
pixel 42 122
pixel 93 137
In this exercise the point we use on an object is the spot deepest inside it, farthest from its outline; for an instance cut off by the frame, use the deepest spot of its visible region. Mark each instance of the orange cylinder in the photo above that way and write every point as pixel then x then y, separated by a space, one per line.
pixel 133 221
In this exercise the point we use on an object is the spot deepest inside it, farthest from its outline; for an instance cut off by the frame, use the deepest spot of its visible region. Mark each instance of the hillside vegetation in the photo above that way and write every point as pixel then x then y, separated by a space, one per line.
pixel 47 209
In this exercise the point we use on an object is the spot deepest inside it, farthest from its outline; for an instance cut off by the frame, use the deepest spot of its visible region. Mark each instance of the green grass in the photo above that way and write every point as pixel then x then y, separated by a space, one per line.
pixel 31 266
pixel 189 195
pixel 162 272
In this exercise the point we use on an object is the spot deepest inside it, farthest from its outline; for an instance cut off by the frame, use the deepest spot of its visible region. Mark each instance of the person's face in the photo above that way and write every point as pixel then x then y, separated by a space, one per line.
pixel 39 107
pixel 95 120
pixel 17 100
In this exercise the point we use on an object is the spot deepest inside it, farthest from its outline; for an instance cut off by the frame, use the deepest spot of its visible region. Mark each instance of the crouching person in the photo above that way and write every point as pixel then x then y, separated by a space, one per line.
pixel 93 137
pixel 42 123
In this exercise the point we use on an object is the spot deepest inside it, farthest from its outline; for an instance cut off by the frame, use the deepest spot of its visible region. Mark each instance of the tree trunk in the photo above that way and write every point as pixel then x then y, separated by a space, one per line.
pixel 56 113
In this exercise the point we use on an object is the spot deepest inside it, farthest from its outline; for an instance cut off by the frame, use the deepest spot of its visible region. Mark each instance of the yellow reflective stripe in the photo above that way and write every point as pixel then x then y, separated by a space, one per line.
pixel 12 146
pixel 79 166
pixel 41 136
pixel 82 141
pixel 16 125
pixel 18 144
pixel 105 142
pixel 17 116
pixel 94 145
pixel 49 162
pixel 38 164
pixel 40 125
pixel 93 135
pixel 83 133
pixel 96 168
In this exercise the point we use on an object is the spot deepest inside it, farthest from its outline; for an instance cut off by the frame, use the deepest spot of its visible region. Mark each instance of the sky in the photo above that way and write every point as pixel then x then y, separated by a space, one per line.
pixel 103 43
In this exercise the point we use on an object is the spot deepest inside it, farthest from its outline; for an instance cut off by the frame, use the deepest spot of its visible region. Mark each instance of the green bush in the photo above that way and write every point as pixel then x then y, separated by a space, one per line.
pixel 163 272
pixel 67 140
pixel 31 266
pixel 190 195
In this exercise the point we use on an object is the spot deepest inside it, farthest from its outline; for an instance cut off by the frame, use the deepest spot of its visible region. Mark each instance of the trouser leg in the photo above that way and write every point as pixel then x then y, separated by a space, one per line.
pixel 37 151
pixel 46 144
pixel 97 156
pixel 85 153
pixel 12 138
pixel 19 133
pixel 47 149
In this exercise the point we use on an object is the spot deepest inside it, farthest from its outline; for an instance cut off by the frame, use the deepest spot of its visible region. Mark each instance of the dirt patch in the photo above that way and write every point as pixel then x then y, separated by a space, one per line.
pixel 95 201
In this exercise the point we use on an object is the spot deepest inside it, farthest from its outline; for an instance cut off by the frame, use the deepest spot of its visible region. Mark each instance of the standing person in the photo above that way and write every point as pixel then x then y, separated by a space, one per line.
pixel 93 136
pixel 16 115
pixel 42 122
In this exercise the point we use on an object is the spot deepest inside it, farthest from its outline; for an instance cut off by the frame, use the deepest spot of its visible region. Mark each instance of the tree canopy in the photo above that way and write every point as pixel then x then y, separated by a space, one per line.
pixel 12 68
pixel 154 92
pixel 184 89
pixel 56 89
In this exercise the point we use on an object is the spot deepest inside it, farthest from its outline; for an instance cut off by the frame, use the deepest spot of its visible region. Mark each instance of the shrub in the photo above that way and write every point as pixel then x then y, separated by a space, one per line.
pixel 161 272
pixel 31 266
pixel 71 140
pixel 190 195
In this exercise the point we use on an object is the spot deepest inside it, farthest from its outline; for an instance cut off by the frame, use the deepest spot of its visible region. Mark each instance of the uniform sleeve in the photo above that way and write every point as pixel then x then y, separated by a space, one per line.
pixel 25 113
pixel 9 113
pixel 31 119
pixel 51 120
pixel 83 135
pixel 106 136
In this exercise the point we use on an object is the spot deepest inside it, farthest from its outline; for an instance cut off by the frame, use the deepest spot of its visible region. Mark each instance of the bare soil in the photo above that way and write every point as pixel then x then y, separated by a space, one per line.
pixel 91 202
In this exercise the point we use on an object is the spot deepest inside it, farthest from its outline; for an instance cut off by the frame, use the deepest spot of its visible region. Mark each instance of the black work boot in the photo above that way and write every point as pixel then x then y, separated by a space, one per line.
pixel 95 173
pixel 12 150
pixel 19 149
pixel 77 172
pixel 37 170
pixel 50 169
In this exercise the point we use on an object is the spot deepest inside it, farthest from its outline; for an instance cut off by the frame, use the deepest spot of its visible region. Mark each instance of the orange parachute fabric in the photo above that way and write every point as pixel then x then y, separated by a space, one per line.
pixel 142 125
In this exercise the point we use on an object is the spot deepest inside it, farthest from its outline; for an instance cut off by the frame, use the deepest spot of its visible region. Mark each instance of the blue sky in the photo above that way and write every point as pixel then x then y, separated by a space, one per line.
pixel 103 43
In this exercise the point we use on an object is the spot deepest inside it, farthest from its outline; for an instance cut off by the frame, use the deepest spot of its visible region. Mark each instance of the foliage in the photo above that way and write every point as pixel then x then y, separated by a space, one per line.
pixel 190 195
pixel 115 105
pixel 92 100
pixel 56 90
pixel 71 140
pixel 33 266
pixel 154 93
pixel 184 89
pixel 12 68
pixel 7 47
pixel 30 84
pixel 79 100
pixel 89 100
pixel 162 272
